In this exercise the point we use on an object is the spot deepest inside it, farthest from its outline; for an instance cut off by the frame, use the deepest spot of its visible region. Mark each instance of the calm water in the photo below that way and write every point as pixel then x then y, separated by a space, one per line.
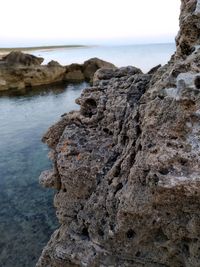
pixel 27 216
pixel 142 56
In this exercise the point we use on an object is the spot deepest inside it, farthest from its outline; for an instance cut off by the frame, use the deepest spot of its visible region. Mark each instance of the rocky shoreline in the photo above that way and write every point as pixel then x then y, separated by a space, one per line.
pixel 19 70
pixel 126 166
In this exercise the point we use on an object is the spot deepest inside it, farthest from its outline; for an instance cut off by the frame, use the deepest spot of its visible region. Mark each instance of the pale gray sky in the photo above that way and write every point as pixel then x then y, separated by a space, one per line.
pixel 51 22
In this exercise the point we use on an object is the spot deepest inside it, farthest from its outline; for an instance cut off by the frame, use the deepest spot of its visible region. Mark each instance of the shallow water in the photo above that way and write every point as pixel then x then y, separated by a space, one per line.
pixel 27 216
pixel 143 56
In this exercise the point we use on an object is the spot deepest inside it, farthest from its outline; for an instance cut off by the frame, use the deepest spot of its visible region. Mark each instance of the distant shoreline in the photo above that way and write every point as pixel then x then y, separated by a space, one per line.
pixel 4 51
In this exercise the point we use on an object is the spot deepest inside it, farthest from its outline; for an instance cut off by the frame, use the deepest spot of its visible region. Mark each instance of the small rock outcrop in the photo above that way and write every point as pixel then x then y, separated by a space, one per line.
pixel 19 58
pixel 86 71
pixel 92 65
pixel 127 165
pixel 19 70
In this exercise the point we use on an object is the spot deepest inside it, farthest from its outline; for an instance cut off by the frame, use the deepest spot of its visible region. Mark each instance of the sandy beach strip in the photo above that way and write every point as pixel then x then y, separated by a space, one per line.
pixel 5 51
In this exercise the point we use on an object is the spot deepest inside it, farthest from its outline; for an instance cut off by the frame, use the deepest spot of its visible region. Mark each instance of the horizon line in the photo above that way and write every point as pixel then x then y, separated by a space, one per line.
pixel 76 46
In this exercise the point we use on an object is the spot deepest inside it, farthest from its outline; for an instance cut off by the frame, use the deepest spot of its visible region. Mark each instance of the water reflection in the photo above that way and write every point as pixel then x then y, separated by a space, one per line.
pixel 27 216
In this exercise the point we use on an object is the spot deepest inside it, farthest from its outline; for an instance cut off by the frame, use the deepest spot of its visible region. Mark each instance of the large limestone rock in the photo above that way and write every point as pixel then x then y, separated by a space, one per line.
pixel 19 77
pixel 127 166
pixel 19 70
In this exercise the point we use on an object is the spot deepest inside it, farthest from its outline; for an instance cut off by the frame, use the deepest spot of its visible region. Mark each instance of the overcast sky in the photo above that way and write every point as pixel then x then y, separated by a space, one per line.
pixel 57 22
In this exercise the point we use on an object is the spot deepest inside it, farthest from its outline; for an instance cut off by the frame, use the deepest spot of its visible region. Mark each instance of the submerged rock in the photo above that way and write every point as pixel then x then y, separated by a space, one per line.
pixel 128 166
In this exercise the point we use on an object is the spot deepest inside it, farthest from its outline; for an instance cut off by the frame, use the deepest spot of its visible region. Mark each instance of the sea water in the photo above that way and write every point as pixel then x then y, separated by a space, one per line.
pixel 27 216
pixel 143 56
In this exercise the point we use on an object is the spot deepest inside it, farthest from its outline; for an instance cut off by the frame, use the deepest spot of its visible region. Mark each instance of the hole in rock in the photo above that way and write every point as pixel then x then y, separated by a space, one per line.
pixel 150 145
pixel 186 49
pixel 138 254
pixel 112 227
pixel 138 130
pixel 107 131
pixel 155 179
pixel 130 234
pixel 109 182
pixel 85 232
pixel 183 161
pixel 118 187
pixel 91 102
pixel 186 250
pixel 100 232
pixel 117 171
pixel 197 82
pixel 107 214
pixel 139 147
pixel 124 139
pixel 164 171
pixel 161 97
pixel 160 236
pixel 89 107
pixel 174 137
pixel 103 222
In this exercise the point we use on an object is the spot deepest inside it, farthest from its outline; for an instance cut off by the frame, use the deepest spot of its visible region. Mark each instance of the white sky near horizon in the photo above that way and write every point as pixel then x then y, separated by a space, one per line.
pixel 60 22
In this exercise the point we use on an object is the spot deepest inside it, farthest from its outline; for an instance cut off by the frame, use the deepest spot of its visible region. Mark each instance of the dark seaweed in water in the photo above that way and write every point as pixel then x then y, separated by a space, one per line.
pixel 27 216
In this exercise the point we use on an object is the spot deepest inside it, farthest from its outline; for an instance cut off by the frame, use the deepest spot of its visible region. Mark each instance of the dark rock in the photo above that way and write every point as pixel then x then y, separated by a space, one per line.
pixel 197 82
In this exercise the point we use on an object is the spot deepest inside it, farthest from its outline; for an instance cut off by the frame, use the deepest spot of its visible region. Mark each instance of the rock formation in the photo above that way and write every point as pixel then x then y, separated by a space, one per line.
pixel 19 70
pixel 19 58
pixel 85 71
pixel 127 165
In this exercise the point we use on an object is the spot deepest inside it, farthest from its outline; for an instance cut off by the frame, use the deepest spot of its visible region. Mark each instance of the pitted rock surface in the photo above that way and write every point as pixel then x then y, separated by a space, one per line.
pixel 127 165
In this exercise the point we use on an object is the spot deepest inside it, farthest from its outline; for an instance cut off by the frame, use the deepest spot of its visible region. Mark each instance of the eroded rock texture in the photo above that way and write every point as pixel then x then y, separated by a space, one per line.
pixel 127 165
